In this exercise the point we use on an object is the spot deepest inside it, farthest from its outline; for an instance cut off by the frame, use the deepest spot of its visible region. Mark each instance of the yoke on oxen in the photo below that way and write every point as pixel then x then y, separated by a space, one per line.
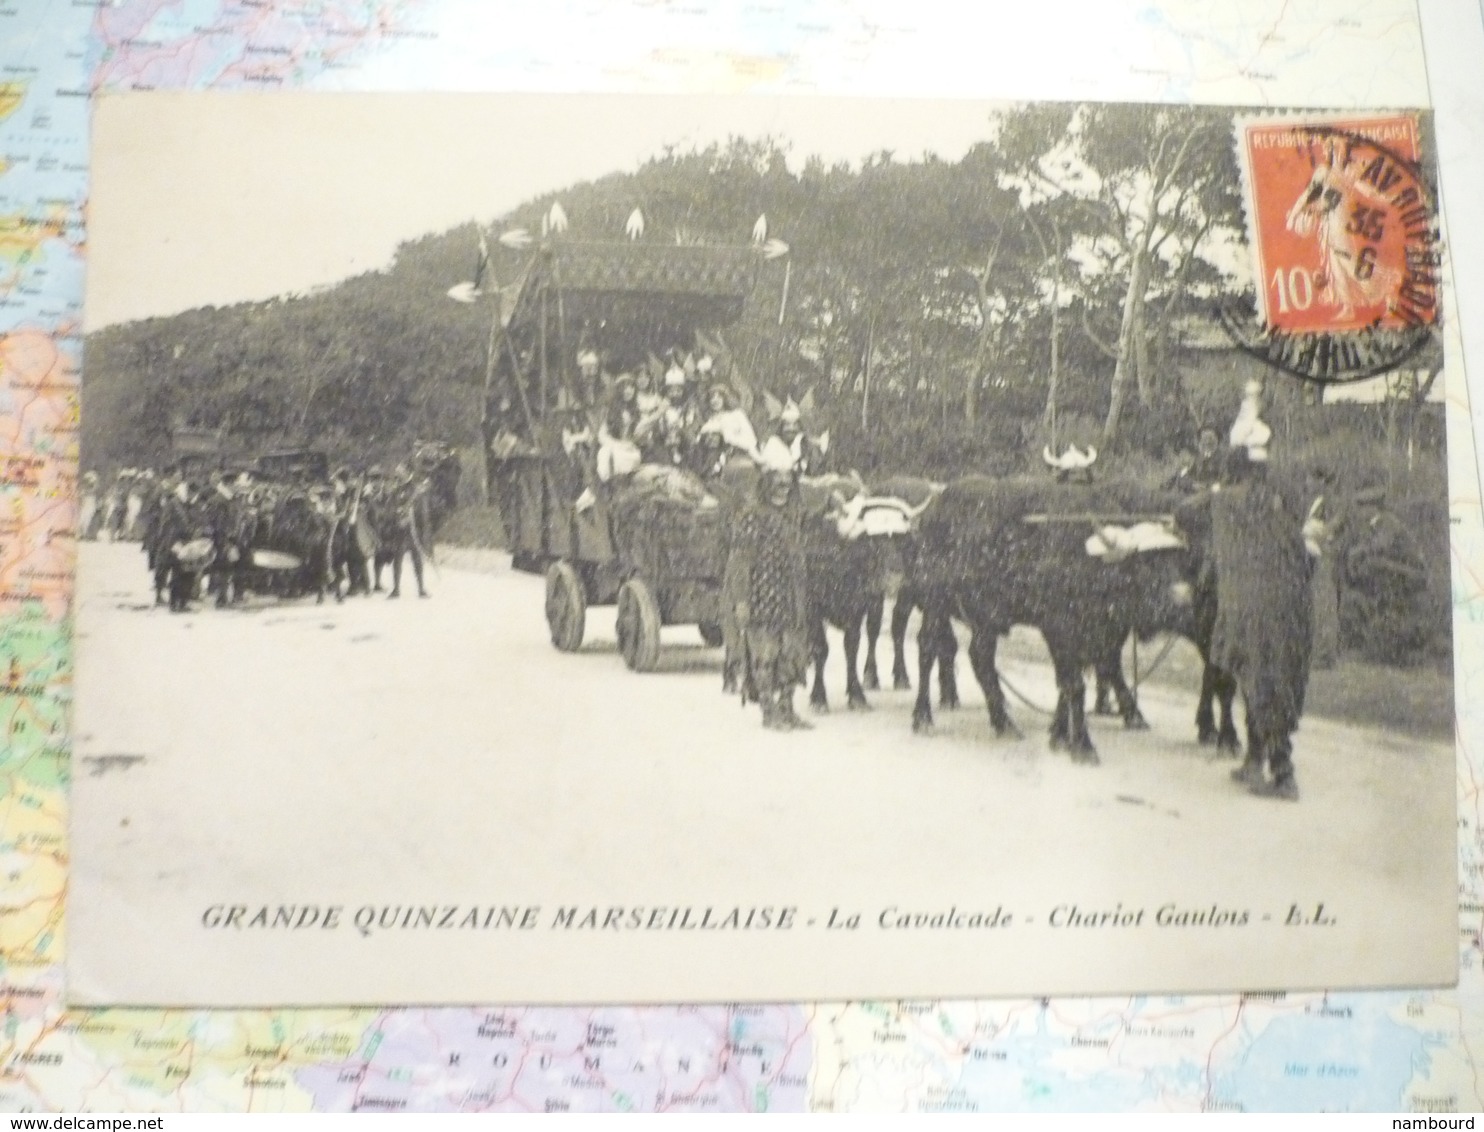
pixel 1086 564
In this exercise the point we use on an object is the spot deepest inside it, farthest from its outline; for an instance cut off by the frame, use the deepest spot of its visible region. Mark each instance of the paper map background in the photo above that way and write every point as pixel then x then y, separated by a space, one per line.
pixel 1395 1050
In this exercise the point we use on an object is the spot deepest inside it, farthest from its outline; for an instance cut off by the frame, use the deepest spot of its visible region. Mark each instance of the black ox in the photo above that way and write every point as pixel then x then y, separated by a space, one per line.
pixel 1001 553
pixel 1215 718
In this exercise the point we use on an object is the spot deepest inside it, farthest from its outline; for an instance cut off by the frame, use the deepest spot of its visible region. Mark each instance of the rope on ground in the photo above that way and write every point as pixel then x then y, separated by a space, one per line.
pixel 1007 686
pixel 1169 645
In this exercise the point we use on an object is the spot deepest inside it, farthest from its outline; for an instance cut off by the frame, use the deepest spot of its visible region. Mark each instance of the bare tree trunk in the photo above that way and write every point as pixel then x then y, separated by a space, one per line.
pixel 1053 386
pixel 1142 370
pixel 981 356
pixel 976 368
pixel 1053 253
pixel 866 380
pixel 1127 359
pixel 981 347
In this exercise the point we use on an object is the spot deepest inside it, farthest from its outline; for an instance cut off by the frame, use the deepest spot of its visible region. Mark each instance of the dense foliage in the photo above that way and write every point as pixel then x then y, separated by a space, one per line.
pixel 1034 282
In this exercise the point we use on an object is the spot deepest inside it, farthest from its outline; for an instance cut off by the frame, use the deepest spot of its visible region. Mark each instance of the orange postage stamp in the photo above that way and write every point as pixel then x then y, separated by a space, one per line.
pixel 1344 240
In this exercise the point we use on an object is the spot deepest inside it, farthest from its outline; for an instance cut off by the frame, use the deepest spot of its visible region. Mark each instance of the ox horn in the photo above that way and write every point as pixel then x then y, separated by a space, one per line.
pixel 1051 460
pixel 913 513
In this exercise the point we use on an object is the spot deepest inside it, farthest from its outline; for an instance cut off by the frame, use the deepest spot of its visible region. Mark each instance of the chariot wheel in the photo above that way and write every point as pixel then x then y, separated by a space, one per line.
pixel 711 634
pixel 638 626
pixel 566 606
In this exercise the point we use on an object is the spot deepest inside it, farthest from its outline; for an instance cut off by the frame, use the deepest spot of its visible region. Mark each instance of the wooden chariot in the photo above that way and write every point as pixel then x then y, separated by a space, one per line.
pixel 658 560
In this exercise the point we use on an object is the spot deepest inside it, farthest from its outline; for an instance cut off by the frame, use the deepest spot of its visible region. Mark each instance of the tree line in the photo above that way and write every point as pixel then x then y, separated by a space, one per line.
pixel 1030 292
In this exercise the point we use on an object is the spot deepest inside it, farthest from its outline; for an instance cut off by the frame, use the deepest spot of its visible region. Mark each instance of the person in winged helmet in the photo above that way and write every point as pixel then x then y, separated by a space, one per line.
pixel 767 584
pixel 1264 538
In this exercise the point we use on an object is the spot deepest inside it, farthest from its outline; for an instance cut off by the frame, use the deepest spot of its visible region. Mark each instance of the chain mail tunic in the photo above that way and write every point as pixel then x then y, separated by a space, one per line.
pixel 775 587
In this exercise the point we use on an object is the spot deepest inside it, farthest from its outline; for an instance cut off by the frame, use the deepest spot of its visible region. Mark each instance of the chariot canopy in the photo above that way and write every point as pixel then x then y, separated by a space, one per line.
pixel 632 300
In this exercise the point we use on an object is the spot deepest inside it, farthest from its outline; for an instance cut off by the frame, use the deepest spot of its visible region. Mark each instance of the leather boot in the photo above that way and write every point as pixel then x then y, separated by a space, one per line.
pixel 789 716
pixel 1249 774
pixel 1283 785
pixel 772 717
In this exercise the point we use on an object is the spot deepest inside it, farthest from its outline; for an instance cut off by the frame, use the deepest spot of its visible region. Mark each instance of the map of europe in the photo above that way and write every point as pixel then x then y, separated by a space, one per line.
pixel 1395 1050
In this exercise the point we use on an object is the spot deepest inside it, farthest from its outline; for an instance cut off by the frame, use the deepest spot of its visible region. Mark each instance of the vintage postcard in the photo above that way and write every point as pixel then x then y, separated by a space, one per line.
pixel 557 549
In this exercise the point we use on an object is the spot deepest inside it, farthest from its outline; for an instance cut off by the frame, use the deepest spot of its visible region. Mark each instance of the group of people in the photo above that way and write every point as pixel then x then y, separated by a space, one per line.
pixel 1300 567
pixel 688 436
pixel 1289 550
pixel 221 534
pixel 114 511
pixel 1370 587
pixel 686 419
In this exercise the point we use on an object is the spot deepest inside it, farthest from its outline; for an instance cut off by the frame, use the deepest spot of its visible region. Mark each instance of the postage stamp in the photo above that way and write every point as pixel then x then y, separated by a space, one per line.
pixel 1344 241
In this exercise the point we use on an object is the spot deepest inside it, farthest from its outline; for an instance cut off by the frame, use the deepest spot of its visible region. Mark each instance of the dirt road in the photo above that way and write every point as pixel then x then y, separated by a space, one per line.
pixel 392 751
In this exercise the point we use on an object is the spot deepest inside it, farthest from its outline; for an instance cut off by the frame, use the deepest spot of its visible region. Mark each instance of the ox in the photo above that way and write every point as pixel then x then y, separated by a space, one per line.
pixel 1000 553
pixel 910 495
pixel 1218 688
pixel 854 555
pixel 843 564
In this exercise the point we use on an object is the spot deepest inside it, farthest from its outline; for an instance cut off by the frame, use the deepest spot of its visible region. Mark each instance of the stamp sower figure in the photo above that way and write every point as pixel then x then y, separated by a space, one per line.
pixel 767 583
pixel 1264 603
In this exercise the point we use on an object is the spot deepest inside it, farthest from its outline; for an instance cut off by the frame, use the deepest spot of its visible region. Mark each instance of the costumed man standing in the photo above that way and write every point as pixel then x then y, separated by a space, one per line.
pixel 767 584
pixel 219 513
pixel 1204 468
pixel 403 515
pixel 360 541
pixel 87 506
pixel 1262 540
pixel 178 525
pixel 134 503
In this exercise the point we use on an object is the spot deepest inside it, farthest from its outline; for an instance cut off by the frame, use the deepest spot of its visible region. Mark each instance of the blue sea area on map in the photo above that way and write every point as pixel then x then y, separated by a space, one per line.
pixel 47 293
pixel 43 143
pixel 1348 1055
pixel 1036 1069
pixel 180 20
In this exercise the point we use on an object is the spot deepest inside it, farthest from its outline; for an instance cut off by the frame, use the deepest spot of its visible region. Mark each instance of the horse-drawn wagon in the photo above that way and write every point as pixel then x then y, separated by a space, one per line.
pixel 650 543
